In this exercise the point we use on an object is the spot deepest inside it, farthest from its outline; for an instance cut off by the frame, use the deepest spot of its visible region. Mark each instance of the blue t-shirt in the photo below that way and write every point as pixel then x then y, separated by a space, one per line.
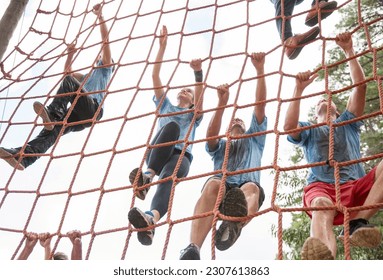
pixel 244 153
pixel 315 144
pixel 183 120
pixel 98 80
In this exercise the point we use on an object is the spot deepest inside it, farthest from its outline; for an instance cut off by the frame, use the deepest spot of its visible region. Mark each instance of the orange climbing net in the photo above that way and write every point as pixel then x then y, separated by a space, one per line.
pixel 82 183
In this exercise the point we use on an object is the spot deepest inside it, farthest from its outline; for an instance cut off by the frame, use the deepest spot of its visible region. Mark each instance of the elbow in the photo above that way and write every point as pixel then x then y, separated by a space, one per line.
pixel 288 126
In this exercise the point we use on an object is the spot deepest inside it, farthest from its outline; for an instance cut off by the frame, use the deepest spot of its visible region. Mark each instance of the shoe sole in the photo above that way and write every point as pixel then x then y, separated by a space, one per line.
pixel 141 194
pixel 137 219
pixel 234 233
pixel 11 160
pixel 314 249
pixel 311 37
pixel 234 204
pixel 42 112
pixel 325 11
pixel 365 237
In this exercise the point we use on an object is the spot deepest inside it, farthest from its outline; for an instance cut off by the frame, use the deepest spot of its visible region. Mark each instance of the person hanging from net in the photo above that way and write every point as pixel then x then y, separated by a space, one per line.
pixel 243 194
pixel 31 239
pixel 162 160
pixel 294 43
pixel 85 106
pixel 356 188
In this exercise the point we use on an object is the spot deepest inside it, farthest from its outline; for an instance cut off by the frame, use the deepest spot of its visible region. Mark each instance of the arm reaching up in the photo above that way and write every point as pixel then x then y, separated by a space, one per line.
pixel 106 54
pixel 196 65
pixel 216 120
pixel 30 242
pixel 258 60
pixel 302 80
pixel 157 84
pixel 75 238
pixel 357 99
pixel 45 241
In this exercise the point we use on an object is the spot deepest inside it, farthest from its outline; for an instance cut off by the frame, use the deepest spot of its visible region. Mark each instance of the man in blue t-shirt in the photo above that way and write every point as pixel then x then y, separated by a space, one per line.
pixel 84 107
pixel 355 187
pixel 241 190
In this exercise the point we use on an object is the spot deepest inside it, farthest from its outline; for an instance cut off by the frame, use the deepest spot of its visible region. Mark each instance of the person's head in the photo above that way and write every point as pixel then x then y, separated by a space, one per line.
pixel 321 109
pixel 186 97
pixel 60 256
pixel 237 127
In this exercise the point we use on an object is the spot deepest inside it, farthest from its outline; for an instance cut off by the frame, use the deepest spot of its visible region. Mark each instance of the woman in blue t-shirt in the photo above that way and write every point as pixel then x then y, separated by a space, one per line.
pixel 176 128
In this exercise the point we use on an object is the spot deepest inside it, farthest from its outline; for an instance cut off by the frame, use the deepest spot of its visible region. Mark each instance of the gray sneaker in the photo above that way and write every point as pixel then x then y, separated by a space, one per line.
pixel 141 220
pixel 142 181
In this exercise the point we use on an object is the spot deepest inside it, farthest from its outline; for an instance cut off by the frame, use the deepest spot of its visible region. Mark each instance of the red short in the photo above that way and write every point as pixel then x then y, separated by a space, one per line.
pixel 352 193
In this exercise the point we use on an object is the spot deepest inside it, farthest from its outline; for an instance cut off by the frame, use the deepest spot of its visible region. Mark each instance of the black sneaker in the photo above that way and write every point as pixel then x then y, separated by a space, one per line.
pixel 234 204
pixel 191 252
pixel 43 112
pixel 363 234
pixel 143 179
pixel 141 220
pixel 12 157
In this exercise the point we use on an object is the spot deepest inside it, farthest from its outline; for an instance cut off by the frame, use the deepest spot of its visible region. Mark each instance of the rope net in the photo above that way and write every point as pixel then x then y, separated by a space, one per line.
pixel 82 182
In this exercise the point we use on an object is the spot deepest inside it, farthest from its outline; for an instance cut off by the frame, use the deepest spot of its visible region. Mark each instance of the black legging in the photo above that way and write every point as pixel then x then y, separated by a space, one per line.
pixel 163 161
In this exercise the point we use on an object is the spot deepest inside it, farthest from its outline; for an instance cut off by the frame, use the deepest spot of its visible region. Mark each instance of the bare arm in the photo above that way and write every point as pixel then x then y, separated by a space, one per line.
pixel 292 115
pixel 71 50
pixel 30 242
pixel 45 241
pixel 75 238
pixel 196 65
pixel 216 121
pixel 157 84
pixel 258 60
pixel 105 51
pixel 357 99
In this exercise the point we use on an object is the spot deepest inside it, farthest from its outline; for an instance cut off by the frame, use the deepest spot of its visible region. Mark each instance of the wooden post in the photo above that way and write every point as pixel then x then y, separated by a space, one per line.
pixel 9 22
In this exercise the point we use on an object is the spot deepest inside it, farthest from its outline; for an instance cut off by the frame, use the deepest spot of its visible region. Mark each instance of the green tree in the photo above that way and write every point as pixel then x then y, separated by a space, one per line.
pixel 368 36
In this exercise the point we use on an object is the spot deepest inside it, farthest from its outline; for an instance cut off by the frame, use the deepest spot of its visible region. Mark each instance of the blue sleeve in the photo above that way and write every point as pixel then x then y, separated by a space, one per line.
pixel 347 115
pixel 165 104
pixel 303 135
pixel 220 146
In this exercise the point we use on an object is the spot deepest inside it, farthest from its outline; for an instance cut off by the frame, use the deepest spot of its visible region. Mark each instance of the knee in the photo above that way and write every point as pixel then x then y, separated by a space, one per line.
pixel 211 189
pixel 251 189
pixel 172 126
pixel 321 202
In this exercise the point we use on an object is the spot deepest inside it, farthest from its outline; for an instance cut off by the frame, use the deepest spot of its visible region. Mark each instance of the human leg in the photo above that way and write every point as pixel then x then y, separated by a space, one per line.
pixel 284 25
pixel 39 145
pixel 57 110
pixel 200 227
pixel 363 234
pixel 156 158
pixel 160 200
pixel 293 43
pixel 254 195
pixel 321 245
